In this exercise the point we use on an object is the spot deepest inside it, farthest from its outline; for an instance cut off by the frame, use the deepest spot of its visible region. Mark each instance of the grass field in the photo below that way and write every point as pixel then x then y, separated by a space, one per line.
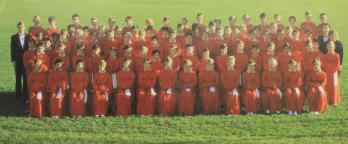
pixel 330 127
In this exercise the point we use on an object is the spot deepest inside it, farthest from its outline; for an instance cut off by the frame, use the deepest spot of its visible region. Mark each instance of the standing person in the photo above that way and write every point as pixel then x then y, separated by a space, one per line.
pixel 293 80
pixel 271 84
pixel 19 44
pixel 187 89
pixel 230 80
pixel 102 87
pixel 315 84
pixel 331 65
pixel 167 94
pixel 36 28
pixel 209 88
pixel 37 87
pixel 333 36
pixel 146 90
pixel 78 93
pixel 251 85
pixel 57 84
pixel 125 89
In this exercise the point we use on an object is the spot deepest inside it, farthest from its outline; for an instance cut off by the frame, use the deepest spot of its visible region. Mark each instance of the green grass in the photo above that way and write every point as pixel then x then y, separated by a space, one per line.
pixel 330 127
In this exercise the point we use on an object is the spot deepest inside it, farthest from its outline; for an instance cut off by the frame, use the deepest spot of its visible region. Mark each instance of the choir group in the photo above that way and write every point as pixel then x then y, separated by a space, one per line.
pixel 210 69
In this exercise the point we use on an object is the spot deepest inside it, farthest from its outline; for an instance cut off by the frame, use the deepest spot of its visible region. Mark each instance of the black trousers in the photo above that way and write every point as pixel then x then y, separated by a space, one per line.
pixel 21 80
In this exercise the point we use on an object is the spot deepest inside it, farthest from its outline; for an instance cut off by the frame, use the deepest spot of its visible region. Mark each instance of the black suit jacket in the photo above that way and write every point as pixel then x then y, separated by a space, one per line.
pixel 16 47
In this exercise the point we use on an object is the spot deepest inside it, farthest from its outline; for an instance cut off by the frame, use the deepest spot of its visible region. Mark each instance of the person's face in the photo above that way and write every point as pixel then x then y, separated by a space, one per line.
pixel 38 64
pixel 128 51
pixel 309 47
pixel 59 66
pixel 223 51
pixel 331 47
pixel 270 49
pixel 246 20
pixel 296 35
pixel 293 67
pixel 200 19
pixel 231 62
pixel 308 18
pixel 272 63
pixel 102 67
pixel 127 37
pixel 292 22
pixel 184 22
pixel 41 49
pixel 37 21
pixel 111 35
pixel 187 67
pixel 188 39
pixel 255 51
pixel 21 28
pixel 263 19
pixel 168 63
pixel 190 50
pixel 277 18
pixel 147 65
pixel 53 22
pixel 31 45
pixel 94 23
pixel 76 20
pixel 323 18
pixel 96 51
pixel 326 29
pixel 129 22
pixel 113 53
pixel 126 65
pixel 80 66
pixel 205 54
pixel 240 47
pixel 166 22
pixel 316 67
pixel 250 68
pixel 210 67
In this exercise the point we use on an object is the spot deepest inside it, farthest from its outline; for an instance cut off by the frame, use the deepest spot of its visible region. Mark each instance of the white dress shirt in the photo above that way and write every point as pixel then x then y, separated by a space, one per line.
pixel 21 39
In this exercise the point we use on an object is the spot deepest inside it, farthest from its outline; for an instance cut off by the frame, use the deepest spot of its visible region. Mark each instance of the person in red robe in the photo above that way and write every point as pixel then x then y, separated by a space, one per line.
pixel 209 88
pixel 293 92
pixel 156 62
pixel 125 89
pixel 52 28
pixel 202 63
pixel 271 85
pixel 61 53
pixel 102 88
pixel 57 84
pixel 286 55
pixel 189 54
pixel 250 88
pixel 112 66
pixel 316 93
pixel 331 65
pixel 139 58
pixel 221 59
pixel 28 56
pixel 78 94
pixel 187 89
pixel 204 43
pixel 297 44
pixel 109 43
pixel 41 55
pixel 241 57
pixel 36 28
pixel 95 59
pixel 146 90
pixel 312 52
pixel 308 24
pixel 270 53
pixel 255 56
pixel 230 80
pixel 167 94
pixel 174 54
pixel 80 55
pixel 37 90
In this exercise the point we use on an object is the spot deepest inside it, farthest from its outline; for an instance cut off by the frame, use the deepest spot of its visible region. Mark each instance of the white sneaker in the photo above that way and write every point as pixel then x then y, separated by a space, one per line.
pixel 290 113
pixel 316 113
pixel 312 112
pixel 268 111
pixel 295 113
pixel 278 112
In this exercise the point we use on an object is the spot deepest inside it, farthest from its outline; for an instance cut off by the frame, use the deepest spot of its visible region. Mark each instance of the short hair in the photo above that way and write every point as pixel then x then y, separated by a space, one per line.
pixel 292 17
pixel 75 15
pixel 263 15
pixel 51 18
pixel 20 23
pixel 199 14
pixel 58 61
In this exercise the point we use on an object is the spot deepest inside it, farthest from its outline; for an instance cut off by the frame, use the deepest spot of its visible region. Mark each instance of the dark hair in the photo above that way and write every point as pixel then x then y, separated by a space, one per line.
pixel 75 15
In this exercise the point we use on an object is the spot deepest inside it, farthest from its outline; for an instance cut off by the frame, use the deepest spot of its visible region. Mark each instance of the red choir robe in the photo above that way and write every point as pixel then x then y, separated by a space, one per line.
pixel 265 61
pixel 251 93
pixel 284 59
pixel 93 63
pixel 50 31
pixel 37 92
pixel 75 58
pixel 34 31
pixel 230 81
pixel 78 93
pixel 272 95
pixel 316 93
pixel 146 93
pixel 331 65
pixel 258 62
pixel 124 93
pixel 221 63
pixel 187 93
pixel 241 61
pixel 209 91
pixel 293 92
pixel 28 61
pixel 193 59
pixel 167 94
pixel 102 88
pixel 57 83
pixel 308 59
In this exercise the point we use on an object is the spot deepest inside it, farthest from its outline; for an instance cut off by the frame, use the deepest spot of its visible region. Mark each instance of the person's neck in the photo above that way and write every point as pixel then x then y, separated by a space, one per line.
pixel 21 33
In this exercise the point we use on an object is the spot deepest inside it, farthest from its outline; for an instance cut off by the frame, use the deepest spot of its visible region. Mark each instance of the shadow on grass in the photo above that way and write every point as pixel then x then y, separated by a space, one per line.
pixel 10 105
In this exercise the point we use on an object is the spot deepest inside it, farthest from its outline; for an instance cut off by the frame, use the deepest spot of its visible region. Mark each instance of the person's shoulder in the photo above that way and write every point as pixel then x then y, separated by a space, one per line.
pixel 14 35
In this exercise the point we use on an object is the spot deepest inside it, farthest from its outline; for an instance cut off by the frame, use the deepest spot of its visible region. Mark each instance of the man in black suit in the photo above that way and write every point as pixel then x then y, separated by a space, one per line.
pixel 19 44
